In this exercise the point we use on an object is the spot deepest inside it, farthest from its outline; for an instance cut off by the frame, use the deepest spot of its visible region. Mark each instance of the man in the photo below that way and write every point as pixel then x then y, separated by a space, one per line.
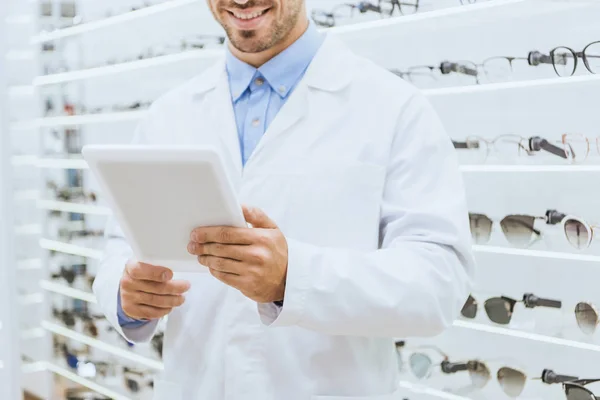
pixel 359 227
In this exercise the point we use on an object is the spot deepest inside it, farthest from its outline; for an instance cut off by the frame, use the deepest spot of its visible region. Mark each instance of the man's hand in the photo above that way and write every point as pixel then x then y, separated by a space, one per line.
pixel 252 260
pixel 148 291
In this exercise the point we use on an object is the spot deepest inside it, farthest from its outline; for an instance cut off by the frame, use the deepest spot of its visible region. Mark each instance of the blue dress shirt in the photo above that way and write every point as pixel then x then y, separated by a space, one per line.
pixel 257 96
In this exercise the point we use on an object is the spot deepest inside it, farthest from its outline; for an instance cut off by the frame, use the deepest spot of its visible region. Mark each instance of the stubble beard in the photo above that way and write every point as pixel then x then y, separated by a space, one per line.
pixel 248 42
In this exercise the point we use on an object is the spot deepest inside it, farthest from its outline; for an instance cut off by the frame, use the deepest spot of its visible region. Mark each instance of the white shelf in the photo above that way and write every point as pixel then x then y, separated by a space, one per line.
pixel 22 195
pixel 33 333
pixel 19 19
pixel 29 264
pixel 64 163
pixel 21 90
pixel 84 382
pixel 68 291
pixel 530 168
pixel 420 389
pixel 73 207
pixel 535 253
pixel 68 248
pixel 23 160
pixel 192 55
pixel 551 83
pixel 126 18
pixel 29 229
pixel 20 55
pixel 32 367
pixel 32 298
pixel 526 335
pixel 77 120
pixel 100 345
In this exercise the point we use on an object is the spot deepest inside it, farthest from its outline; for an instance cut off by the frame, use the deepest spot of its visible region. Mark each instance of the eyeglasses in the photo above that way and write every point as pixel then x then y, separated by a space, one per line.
pixel 135 380
pixel 578 232
pixel 505 146
pixel 69 274
pixel 500 309
pixel 519 230
pixel 69 193
pixel 587 318
pixel 83 394
pixel 386 8
pixel 157 343
pixel 576 390
pixel 427 76
pixel 565 60
pixel 511 380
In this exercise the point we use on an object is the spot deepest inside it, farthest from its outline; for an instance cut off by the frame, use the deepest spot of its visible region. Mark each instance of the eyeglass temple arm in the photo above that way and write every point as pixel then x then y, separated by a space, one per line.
pixel 530 300
pixel 550 377
pixel 537 143
pixel 584 382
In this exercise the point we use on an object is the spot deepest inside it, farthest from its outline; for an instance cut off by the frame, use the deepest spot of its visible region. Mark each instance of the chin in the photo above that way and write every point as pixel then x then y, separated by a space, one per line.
pixel 250 41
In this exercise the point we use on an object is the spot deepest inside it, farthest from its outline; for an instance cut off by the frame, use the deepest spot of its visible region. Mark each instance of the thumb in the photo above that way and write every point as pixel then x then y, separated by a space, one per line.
pixel 258 218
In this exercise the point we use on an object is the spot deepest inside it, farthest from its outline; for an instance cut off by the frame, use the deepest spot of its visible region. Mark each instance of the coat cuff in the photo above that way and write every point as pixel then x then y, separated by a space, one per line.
pixel 296 288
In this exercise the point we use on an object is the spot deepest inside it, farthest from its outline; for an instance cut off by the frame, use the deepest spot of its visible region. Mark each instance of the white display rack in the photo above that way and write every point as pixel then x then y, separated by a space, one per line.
pixel 133 66
pixel 535 253
pixel 126 18
pixel 68 291
pixel 100 345
pixel 526 335
pixel 424 390
pixel 47 366
pixel 68 248
pixel 73 207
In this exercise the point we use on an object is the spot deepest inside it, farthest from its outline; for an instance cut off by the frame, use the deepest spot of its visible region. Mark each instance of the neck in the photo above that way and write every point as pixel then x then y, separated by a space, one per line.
pixel 258 59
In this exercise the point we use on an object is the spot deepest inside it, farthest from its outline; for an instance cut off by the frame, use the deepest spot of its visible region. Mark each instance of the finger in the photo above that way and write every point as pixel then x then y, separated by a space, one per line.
pixel 232 251
pixel 258 218
pixel 176 287
pixel 144 312
pixel 148 272
pixel 221 264
pixel 223 234
pixel 154 300
pixel 235 281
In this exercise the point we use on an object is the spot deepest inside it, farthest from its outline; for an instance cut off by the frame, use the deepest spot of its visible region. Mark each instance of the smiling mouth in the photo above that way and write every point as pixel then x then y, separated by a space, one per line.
pixel 248 16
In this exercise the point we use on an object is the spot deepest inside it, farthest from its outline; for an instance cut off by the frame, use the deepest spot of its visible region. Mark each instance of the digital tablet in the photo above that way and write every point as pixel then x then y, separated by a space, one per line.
pixel 160 194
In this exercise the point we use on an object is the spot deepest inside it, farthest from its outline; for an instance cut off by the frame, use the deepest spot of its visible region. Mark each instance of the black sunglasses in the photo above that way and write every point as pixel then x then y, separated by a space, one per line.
pixel 576 390
pixel 500 309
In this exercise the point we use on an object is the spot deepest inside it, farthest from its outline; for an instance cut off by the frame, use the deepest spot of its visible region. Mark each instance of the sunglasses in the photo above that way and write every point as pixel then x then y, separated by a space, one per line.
pixel 519 230
pixel 83 394
pixel 587 318
pixel 578 232
pixel 500 309
pixel 157 343
pixel 511 381
pixel 135 380
pixel 576 390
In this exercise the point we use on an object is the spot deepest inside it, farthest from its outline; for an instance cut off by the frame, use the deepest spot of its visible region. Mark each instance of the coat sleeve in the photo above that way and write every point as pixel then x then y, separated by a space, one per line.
pixel 116 255
pixel 419 279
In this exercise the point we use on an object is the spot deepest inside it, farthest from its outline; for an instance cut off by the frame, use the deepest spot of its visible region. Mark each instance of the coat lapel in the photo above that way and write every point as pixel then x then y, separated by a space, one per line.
pixel 214 104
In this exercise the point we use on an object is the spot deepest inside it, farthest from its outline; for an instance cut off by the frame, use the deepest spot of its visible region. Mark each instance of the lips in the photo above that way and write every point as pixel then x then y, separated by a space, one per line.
pixel 247 19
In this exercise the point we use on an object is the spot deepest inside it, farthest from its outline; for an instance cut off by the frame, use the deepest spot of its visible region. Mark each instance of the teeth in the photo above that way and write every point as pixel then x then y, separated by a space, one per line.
pixel 249 16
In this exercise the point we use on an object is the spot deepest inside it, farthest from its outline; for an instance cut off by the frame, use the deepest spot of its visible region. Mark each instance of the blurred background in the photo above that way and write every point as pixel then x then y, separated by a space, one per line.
pixel 516 83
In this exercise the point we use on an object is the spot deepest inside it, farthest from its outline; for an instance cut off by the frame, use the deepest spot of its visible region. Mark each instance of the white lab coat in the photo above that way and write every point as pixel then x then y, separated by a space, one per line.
pixel 360 176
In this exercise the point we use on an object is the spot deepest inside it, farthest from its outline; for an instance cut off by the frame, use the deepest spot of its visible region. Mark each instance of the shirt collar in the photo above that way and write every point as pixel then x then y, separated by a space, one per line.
pixel 282 72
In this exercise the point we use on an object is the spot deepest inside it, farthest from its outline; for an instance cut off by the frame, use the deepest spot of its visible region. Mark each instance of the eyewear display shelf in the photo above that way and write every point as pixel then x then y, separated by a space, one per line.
pixel 98 64
pixel 9 329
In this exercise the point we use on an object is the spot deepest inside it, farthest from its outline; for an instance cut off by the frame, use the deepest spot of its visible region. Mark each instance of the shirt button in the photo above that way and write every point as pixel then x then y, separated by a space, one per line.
pixel 255 122
pixel 281 89
pixel 259 81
